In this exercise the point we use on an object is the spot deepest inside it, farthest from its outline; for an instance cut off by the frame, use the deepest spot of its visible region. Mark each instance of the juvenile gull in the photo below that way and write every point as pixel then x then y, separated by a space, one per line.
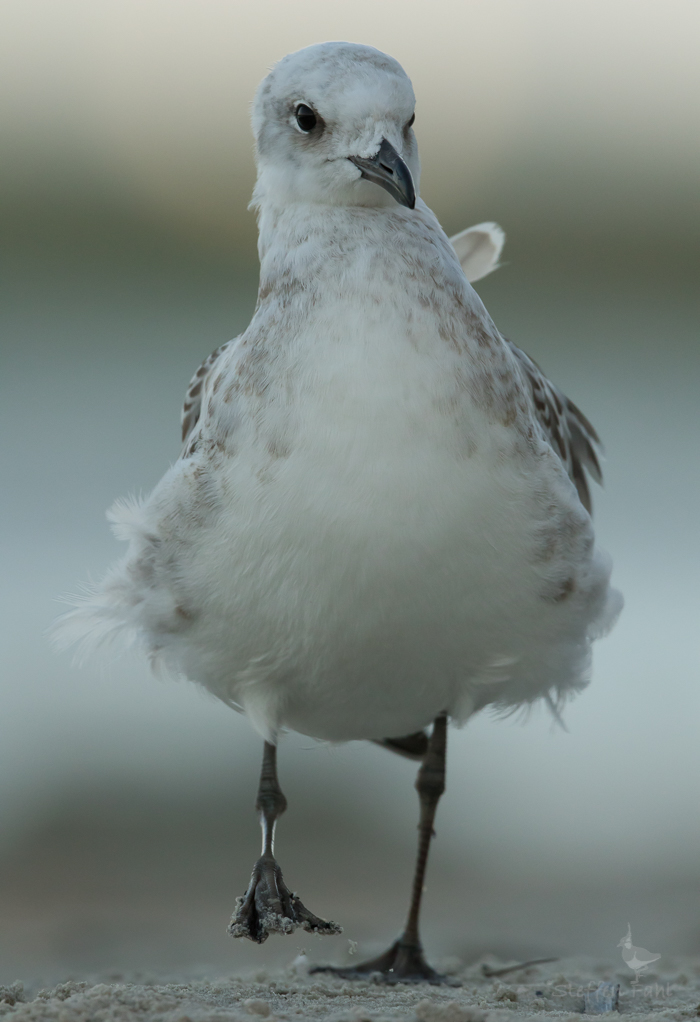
pixel 380 517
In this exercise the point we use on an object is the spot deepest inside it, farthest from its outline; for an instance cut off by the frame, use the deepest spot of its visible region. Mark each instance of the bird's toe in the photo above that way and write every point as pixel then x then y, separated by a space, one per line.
pixel 268 906
pixel 404 962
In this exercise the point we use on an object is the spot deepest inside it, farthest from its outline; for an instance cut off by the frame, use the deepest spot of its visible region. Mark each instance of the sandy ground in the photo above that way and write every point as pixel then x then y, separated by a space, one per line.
pixel 556 990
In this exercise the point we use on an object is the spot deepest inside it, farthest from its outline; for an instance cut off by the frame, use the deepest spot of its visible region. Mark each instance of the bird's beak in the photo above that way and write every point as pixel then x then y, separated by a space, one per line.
pixel 388 170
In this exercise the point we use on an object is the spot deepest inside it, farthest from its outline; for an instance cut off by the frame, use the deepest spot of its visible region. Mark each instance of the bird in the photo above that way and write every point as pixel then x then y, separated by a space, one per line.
pixel 638 958
pixel 380 520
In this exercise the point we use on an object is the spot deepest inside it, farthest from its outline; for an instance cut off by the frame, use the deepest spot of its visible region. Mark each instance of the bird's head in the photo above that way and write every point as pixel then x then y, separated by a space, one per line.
pixel 332 125
pixel 627 939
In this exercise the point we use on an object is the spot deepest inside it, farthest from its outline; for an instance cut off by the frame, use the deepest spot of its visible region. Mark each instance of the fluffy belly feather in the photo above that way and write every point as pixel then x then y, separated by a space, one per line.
pixel 351 597
pixel 355 581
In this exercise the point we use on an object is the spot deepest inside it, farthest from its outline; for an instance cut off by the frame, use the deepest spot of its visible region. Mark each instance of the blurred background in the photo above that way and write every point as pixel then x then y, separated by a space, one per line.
pixel 126 802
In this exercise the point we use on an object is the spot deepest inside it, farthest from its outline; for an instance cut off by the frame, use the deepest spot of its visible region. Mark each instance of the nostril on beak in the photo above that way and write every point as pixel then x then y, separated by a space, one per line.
pixel 389 171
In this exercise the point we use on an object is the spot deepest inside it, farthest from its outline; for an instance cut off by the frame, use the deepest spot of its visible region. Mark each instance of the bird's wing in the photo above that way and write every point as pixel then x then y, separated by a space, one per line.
pixel 479 249
pixel 642 955
pixel 192 407
pixel 568 431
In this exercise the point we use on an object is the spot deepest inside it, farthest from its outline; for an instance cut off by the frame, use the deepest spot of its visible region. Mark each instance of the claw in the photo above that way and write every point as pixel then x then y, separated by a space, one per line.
pixel 268 906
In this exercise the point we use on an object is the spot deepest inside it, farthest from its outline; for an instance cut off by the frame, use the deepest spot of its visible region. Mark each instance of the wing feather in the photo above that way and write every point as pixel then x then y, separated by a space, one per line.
pixel 192 408
pixel 478 249
pixel 567 429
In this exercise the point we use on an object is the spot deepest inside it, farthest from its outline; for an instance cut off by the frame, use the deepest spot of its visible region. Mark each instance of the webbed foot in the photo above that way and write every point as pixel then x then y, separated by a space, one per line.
pixel 268 906
pixel 402 963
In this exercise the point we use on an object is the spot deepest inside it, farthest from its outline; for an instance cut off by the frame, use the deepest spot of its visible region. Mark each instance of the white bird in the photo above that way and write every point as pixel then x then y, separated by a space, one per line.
pixel 638 958
pixel 380 516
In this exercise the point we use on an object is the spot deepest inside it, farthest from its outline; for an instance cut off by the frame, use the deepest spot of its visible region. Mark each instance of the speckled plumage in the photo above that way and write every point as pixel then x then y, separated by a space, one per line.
pixel 379 511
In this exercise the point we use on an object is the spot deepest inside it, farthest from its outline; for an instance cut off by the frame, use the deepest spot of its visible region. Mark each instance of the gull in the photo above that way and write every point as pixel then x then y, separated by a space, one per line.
pixel 380 519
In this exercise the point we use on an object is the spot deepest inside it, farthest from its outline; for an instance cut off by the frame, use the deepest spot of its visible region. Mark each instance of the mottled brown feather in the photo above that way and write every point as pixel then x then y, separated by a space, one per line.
pixel 567 429
pixel 192 407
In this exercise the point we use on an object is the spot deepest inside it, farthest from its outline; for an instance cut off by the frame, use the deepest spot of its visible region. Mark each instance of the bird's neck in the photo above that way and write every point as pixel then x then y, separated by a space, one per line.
pixel 302 243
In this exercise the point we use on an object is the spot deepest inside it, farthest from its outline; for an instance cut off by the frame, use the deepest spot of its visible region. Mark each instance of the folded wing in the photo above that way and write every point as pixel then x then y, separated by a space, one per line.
pixel 568 430
pixel 192 408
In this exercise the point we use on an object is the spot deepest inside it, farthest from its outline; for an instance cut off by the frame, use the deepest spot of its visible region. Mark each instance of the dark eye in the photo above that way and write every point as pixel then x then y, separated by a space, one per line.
pixel 306 118
pixel 409 124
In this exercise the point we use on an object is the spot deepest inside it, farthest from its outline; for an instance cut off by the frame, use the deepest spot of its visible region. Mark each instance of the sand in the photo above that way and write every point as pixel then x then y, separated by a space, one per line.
pixel 555 990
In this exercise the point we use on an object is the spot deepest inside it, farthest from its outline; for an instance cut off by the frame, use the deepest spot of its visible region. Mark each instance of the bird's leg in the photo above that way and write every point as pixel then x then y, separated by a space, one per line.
pixel 405 962
pixel 412 746
pixel 268 906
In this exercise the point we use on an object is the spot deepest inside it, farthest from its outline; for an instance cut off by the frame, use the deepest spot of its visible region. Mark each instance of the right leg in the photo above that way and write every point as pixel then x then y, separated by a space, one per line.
pixel 268 906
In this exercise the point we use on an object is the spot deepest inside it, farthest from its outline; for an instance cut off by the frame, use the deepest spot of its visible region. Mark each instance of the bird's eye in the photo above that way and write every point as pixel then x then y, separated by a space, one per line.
pixel 409 124
pixel 306 118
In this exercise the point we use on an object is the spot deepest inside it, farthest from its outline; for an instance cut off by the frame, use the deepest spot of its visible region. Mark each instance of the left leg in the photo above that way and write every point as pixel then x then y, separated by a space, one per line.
pixel 405 961
pixel 268 906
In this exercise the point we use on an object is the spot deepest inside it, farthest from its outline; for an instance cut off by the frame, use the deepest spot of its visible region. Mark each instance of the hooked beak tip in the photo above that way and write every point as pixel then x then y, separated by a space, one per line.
pixel 389 171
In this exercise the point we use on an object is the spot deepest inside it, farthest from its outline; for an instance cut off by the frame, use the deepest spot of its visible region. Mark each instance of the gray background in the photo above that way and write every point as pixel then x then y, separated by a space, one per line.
pixel 128 252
